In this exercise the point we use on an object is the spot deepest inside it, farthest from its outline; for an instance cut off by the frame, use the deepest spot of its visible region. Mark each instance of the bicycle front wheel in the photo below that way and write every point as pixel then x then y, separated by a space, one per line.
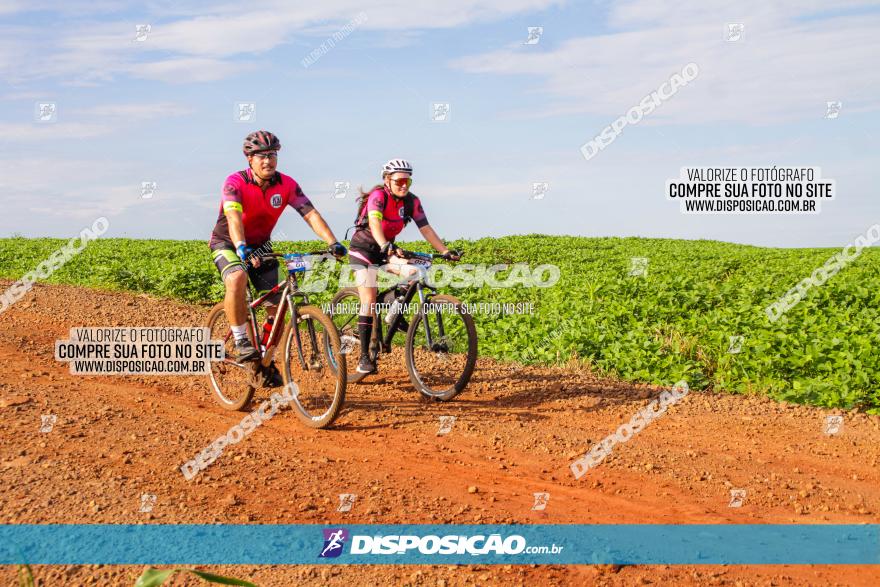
pixel 441 348
pixel 230 381
pixel 311 344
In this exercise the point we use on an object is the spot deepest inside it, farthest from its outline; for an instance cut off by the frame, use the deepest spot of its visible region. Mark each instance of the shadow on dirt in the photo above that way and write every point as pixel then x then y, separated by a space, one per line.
pixel 497 390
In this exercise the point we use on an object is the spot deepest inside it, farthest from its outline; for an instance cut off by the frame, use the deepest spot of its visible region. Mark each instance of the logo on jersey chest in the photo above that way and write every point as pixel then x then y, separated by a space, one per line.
pixel 275 200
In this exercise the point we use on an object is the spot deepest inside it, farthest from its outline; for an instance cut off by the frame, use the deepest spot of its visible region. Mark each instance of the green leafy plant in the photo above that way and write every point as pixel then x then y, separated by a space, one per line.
pixel 25 576
pixel 155 577
pixel 673 322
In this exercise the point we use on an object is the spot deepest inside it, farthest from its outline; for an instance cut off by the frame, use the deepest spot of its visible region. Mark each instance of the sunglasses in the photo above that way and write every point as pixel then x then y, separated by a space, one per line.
pixel 403 181
pixel 267 155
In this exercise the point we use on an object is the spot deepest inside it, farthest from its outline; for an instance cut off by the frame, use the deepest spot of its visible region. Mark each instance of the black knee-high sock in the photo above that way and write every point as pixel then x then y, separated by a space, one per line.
pixel 365 329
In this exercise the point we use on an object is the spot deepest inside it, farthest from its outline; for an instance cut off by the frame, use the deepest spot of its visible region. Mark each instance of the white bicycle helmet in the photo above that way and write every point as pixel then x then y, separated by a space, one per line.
pixel 396 166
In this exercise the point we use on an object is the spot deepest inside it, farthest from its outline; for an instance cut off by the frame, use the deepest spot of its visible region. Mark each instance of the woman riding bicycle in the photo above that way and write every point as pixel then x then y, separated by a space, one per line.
pixel 384 212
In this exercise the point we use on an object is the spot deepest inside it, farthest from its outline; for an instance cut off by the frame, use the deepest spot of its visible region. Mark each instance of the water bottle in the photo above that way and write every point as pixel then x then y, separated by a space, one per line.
pixel 267 330
pixel 393 310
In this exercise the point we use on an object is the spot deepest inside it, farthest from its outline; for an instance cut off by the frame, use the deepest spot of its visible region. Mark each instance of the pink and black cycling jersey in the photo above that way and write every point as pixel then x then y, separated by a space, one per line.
pixel 390 211
pixel 259 210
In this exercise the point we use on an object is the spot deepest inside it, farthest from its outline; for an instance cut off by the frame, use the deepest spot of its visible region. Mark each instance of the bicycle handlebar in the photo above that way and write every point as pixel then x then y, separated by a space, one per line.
pixel 312 254
pixel 406 255
pixel 411 254
pixel 285 255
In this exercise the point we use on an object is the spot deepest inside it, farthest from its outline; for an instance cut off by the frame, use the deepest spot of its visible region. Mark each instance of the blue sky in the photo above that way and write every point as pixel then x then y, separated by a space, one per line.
pixel 162 110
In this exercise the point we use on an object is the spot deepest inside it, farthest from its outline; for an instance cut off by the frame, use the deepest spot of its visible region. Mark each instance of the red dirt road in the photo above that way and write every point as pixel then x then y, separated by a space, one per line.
pixel 517 430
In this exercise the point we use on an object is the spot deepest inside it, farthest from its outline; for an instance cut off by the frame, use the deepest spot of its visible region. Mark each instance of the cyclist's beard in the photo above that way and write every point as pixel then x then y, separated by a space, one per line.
pixel 263 175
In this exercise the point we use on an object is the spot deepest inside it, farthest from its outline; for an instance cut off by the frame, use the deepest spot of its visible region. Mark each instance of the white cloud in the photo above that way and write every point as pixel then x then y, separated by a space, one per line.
pixel 190 69
pixel 70 7
pixel 12 6
pixel 42 191
pixel 183 47
pixel 509 191
pixel 144 111
pixel 102 120
pixel 634 14
pixel 60 188
pixel 42 133
pixel 225 35
pixel 32 96
pixel 785 68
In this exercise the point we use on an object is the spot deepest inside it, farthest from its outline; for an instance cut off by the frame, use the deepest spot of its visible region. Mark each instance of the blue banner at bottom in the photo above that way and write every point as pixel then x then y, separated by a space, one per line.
pixel 558 544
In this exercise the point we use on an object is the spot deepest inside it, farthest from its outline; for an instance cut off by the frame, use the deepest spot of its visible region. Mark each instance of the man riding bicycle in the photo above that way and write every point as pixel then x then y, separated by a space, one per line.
pixel 251 203
pixel 384 212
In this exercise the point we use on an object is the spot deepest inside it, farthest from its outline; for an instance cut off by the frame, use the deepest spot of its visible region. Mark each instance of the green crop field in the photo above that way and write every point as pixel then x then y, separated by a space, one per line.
pixel 673 322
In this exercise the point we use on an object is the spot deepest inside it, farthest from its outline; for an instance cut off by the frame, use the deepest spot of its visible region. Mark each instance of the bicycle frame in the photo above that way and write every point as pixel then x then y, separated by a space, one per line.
pixel 416 286
pixel 290 290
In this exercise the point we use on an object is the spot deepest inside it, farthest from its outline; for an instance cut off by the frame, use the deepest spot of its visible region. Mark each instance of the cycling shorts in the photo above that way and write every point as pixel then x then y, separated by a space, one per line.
pixel 264 277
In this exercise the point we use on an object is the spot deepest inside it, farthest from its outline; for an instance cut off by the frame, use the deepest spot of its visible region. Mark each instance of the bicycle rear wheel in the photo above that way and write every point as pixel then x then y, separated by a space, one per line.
pixel 441 348
pixel 231 382
pixel 311 344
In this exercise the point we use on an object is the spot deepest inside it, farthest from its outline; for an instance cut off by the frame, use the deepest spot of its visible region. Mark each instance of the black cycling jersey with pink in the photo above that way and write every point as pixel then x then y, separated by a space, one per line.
pixel 388 209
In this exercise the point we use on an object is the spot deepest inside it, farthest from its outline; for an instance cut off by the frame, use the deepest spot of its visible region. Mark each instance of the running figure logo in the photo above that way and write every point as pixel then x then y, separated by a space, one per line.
pixel 148 500
pixel 541 500
pixel 341 189
pixel 141 31
pixel 245 112
pixel 736 343
pixel 737 497
pixel 46 112
pixel 334 539
pixel 833 424
pixel 349 343
pixel 440 112
pixel 534 37
pixel 446 423
pixel 735 31
pixel 47 422
pixel 148 188
pixel 540 189
pixel 832 109
pixel 346 500
pixel 638 267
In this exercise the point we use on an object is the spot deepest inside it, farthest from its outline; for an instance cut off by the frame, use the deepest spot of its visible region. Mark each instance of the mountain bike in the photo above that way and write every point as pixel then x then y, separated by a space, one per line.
pixel 310 342
pixel 440 349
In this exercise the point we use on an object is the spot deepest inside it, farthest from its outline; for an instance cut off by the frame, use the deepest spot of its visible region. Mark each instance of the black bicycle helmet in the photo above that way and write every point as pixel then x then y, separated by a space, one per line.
pixel 261 140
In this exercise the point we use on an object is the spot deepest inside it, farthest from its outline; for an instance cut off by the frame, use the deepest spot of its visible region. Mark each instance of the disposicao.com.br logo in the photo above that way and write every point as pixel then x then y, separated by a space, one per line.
pixel 475 545
pixel 334 540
